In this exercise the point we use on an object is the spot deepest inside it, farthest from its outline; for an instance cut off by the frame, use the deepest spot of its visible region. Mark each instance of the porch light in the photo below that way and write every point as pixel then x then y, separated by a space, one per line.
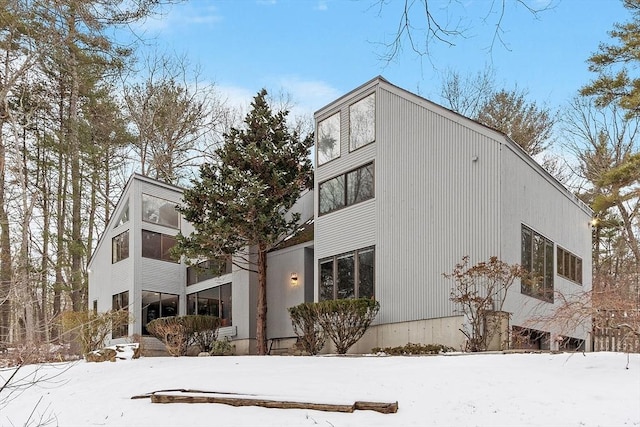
pixel 294 279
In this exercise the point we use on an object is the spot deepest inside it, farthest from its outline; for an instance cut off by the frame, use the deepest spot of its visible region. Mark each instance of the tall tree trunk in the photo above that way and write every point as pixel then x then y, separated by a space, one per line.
pixel 6 272
pixel 261 322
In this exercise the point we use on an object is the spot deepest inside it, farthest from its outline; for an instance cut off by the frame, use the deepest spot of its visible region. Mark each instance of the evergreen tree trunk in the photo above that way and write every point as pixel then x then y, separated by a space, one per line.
pixel 261 320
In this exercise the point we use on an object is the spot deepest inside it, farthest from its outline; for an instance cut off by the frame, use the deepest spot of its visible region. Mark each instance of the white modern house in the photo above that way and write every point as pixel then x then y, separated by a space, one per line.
pixel 404 188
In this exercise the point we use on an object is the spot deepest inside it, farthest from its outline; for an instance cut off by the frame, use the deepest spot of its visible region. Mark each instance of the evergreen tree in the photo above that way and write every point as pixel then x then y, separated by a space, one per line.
pixel 240 204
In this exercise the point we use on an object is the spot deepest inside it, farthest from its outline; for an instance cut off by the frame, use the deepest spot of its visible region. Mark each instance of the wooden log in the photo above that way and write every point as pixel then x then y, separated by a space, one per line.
pixel 382 407
pixel 238 401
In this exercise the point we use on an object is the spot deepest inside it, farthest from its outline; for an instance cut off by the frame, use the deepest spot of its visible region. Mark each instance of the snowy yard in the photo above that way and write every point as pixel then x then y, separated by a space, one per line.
pixel 566 389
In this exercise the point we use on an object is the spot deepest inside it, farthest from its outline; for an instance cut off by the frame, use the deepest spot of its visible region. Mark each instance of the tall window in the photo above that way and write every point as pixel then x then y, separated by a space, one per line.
pixel 569 265
pixel 347 189
pixel 120 247
pixel 119 302
pixel 159 211
pixel 157 245
pixel 328 139
pixel 362 122
pixel 207 270
pixel 212 302
pixel 349 275
pixel 155 305
pixel 537 259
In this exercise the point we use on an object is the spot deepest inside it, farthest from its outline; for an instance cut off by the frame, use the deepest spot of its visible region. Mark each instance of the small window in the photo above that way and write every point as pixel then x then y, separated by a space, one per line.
pixel 124 215
pixel 569 266
pixel 159 211
pixel 348 275
pixel 362 122
pixel 347 189
pixel 328 139
pixel 157 246
pixel 208 269
pixel 119 302
pixel 120 247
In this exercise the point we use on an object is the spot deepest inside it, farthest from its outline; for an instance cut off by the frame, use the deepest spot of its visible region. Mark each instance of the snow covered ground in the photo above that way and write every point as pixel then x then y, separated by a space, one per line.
pixel 593 389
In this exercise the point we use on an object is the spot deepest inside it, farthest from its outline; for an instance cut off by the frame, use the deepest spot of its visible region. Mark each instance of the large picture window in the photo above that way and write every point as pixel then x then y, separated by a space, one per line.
pixel 569 265
pixel 120 247
pixel 157 245
pixel 155 305
pixel 328 139
pixel 349 275
pixel 362 122
pixel 537 259
pixel 159 211
pixel 212 302
pixel 119 302
pixel 344 190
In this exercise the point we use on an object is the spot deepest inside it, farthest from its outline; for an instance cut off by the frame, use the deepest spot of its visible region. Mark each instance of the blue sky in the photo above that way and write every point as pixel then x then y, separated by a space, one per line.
pixel 317 50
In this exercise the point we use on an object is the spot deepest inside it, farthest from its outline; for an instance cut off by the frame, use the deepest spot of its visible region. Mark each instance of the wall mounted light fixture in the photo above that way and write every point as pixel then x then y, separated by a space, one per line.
pixel 294 279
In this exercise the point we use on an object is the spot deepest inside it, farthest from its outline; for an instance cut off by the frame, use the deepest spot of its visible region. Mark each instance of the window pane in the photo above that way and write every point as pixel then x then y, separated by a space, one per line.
pixel 168 305
pixel 151 244
pixel 120 247
pixel 560 262
pixel 526 249
pixel 366 260
pixel 168 242
pixel 572 268
pixel 360 184
pixel 346 288
pixel 567 264
pixel 548 271
pixel 124 216
pixel 362 129
pixel 328 141
pixel 226 304
pixel 159 211
pixel 150 308
pixel 326 280
pixel 579 270
pixel 332 194
pixel 191 304
pixel 119 302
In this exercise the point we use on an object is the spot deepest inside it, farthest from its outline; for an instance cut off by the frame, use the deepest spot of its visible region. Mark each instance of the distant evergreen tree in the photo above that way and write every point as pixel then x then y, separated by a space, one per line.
pixel 241 202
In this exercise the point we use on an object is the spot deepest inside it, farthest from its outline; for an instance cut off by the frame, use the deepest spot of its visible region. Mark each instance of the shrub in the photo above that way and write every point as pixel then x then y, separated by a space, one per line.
pixel 345 321
pixel 304 318
pixel 413 349
pixel 179 332
pixel 204 330
pixel 89 329
pixel 222 347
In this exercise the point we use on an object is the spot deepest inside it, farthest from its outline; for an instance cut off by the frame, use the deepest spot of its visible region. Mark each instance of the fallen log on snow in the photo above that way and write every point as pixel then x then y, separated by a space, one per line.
pixel 382 407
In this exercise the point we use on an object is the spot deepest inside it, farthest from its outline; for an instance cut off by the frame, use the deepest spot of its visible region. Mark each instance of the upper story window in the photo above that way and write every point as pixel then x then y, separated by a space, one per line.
pixel 347 189
pixel 157 245
pixel 537 259
pixel 569 266
pixel 362 122
pixel 208 269
pixel 124 216
pixel 159 211
pixel 328 139
pixel 120 247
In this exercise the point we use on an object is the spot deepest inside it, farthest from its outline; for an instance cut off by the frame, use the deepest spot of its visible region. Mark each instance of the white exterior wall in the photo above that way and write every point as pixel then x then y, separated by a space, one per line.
pixel 536 200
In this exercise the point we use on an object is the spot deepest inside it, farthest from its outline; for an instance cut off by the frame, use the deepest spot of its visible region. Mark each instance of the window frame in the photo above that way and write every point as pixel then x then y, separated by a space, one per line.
pixel 345 202
pixel 208 269
pixel 120 245
pixel 160 205
pixel 165 252
pixel 545 290
pixel 119 301
pixel 224 314
pixel 161 306
pixel 574 274
pixel 352 146
pixel 355 274
pixel 338 140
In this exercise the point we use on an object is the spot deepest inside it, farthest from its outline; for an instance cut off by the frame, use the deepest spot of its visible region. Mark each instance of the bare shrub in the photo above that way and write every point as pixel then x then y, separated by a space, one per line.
pixel 90 329
pixel 172 332
pixel 306 326
pixel 204 330
pixel 480 291
pixel 345 321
